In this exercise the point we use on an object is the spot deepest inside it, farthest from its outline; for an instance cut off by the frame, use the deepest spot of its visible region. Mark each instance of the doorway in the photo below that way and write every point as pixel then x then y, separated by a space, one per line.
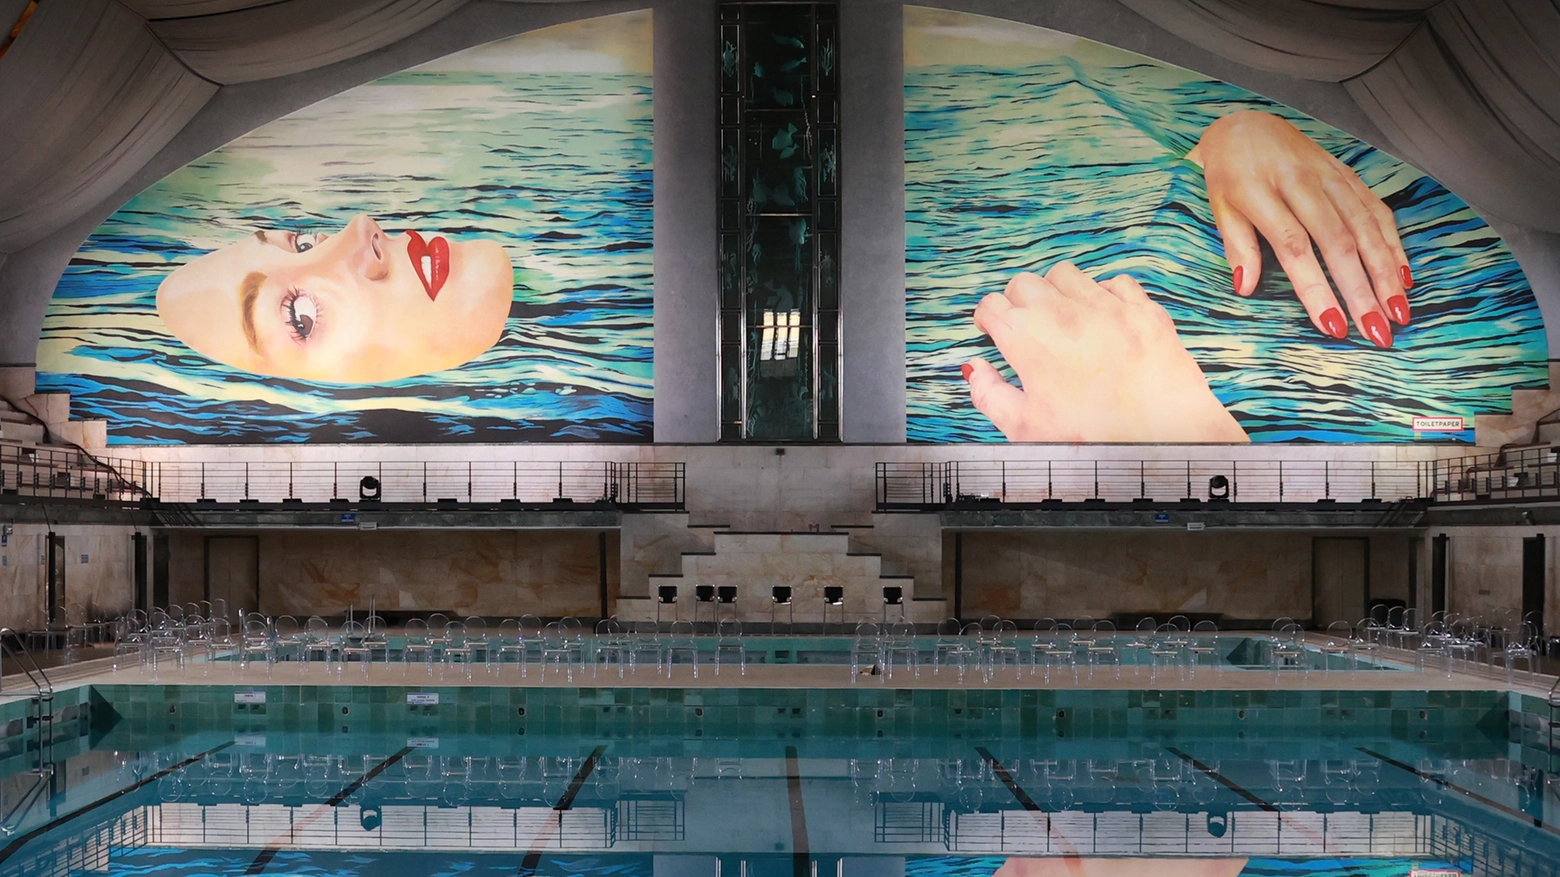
pixel 233 572
pixel 1533 584
pixel 1340 579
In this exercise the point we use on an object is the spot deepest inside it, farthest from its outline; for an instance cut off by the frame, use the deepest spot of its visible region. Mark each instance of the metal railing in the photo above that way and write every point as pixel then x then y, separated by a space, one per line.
pixel 637 485
pixel 66 473
pixel 1021 482
pixel 1518 473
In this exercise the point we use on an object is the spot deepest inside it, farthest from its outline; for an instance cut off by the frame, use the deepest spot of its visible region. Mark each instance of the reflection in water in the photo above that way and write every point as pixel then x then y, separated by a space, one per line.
pixel 1213 809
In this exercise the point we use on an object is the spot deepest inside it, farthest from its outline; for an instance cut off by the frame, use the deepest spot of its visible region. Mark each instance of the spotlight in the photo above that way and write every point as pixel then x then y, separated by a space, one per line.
pixel 1218 488
pixel 368 489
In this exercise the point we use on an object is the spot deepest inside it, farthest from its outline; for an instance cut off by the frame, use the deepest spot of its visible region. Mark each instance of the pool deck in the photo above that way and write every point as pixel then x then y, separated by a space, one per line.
pixel 790 676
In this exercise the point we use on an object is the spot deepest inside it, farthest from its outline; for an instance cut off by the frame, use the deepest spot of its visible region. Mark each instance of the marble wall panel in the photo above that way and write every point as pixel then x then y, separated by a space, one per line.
pixel 103 583
pixel 495 573
pixel 1072 574
pixel 1484 571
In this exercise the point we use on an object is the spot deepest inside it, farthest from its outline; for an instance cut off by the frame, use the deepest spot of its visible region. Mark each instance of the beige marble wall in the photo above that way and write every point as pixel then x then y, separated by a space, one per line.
pixel 467 572
pixel 1036 574
pixel 104 583
pixel 1484 571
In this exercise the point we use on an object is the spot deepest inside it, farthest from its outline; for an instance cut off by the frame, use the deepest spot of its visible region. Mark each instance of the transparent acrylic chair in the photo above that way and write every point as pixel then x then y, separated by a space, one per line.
pixel 508 643
pixel 417 645
pixel 901 647
pixel 1204 646
pixel 681 641
pixel 1338 642
pixel 866 648
pixel 610 647
pixel 729 646
pixel 647 646
pixel 1003 648
pixel 558 649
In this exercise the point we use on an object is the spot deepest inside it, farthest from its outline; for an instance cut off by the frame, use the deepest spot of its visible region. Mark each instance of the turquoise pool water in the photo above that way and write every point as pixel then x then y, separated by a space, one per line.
pixel 337 780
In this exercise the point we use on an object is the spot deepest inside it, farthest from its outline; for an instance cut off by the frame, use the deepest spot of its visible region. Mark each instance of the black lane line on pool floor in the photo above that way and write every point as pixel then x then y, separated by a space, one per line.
pixel 801 855
pixel 15 845
pixel 1509 811
pixel 271 849
pixel 1222 780
pixel 533 856
pixel 1006 777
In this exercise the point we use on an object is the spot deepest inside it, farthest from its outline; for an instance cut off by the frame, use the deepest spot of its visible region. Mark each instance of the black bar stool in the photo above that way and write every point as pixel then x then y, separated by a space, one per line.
pixel 667 595
pixel 893 595
pixel 727 594
pixel 833 595
pixel 705 595
pixel 780 595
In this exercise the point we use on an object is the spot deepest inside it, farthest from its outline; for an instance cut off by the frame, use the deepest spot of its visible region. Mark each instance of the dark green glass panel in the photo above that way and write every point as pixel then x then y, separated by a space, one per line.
pixel 778 163
pixel 779 74
pixel 779 263
pixel 731 381
pixel 730 163
pixel 828 384
pixel 828 53
pixel 779 403
pixel 828 271
pixel 730 58
pixel 828 163
pixel 731 272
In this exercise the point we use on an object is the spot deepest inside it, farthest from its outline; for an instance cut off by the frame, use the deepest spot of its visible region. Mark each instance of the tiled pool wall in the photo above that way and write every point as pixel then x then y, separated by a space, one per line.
pixel 868 712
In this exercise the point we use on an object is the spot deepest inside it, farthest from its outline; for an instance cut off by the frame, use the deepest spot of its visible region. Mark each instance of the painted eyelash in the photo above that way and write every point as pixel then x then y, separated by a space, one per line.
pixel 300 326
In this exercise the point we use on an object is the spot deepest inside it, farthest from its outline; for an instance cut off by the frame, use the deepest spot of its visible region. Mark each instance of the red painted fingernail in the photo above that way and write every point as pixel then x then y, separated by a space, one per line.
pixel 1334 324
pixel 1407 276
pixel 1376 330
pixel 1397 306
pixel 1240 274
pixel 966 369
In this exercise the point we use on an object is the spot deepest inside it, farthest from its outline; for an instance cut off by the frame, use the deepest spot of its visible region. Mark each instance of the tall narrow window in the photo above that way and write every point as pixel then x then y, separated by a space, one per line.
pixel 779 222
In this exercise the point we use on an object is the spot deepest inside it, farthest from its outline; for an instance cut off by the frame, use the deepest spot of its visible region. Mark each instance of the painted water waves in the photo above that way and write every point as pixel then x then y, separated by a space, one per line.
pixel 535 149
pixel 1025 147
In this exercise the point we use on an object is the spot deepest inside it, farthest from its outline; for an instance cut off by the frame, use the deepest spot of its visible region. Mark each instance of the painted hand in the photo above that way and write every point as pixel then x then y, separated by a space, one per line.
pixel 1099 362
pixel 1265 176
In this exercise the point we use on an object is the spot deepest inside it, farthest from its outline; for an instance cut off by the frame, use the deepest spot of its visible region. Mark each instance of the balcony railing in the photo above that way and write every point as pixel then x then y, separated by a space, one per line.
pixel 66 473
pixel 1030 482
pixel 529 482
pixel 1516 474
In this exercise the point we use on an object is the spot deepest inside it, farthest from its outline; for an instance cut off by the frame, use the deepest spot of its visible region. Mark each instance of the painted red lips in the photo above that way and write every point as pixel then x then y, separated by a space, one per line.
pixel 431 261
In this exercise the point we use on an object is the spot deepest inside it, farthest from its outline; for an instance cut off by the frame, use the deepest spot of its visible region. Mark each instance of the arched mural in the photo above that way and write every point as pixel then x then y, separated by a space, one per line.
pixel 1027 149
pixel 460 251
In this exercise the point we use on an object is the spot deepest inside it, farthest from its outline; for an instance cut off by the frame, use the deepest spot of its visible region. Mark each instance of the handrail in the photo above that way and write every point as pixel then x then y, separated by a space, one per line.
pixel 45 688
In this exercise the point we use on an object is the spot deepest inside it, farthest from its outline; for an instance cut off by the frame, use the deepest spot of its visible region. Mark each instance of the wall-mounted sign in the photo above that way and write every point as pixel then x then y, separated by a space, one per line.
pixel 1438 424
pixel 1161 517
pixel 249 697
pixel 422 742
pixel 422 698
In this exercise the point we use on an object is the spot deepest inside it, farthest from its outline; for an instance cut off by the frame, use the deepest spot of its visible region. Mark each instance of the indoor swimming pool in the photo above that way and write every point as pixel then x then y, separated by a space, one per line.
pixel 411 780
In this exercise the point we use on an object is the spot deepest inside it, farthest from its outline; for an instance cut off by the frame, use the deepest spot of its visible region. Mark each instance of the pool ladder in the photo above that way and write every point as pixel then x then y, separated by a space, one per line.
pixel 43 696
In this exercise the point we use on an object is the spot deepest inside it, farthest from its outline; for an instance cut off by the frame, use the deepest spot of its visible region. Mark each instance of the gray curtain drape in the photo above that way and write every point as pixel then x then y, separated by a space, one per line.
pixel 88 96
pixel 1468 90
pixel 92 89
pixel 279 39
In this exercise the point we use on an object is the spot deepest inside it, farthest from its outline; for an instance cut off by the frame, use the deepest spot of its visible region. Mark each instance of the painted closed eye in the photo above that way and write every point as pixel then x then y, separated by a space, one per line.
pixel 302 313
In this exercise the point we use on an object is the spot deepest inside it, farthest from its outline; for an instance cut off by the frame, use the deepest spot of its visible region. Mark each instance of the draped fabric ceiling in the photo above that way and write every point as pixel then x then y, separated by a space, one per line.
pixel 1469 90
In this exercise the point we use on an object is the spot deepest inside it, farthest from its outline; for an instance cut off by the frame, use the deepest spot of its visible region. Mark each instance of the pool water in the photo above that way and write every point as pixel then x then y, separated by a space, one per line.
pixel 320 780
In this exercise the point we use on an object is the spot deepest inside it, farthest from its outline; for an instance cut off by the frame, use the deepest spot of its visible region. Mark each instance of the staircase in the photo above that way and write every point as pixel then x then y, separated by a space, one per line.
pixel 807 562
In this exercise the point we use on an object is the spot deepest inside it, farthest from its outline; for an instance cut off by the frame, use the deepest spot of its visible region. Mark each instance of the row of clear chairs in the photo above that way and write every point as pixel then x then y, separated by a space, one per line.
pixel 172 633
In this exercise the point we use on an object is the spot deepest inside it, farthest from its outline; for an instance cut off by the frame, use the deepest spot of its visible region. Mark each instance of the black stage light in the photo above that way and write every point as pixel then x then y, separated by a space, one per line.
pixel 368 489
pixel 1218 487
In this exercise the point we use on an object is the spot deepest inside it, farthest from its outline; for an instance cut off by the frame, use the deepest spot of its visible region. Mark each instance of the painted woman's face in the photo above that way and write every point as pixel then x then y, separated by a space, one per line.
pixel 357 307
